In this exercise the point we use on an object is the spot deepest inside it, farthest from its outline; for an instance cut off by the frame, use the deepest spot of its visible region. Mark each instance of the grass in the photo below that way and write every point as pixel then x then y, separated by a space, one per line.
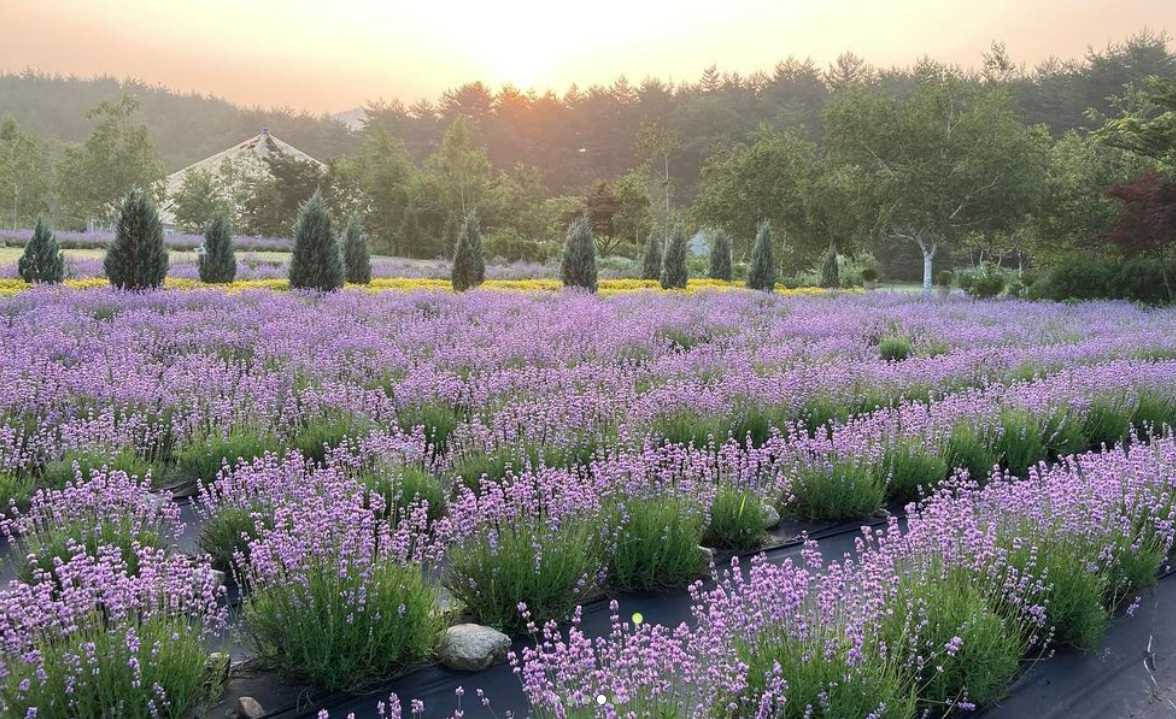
pixel 550 569
pixel 656 544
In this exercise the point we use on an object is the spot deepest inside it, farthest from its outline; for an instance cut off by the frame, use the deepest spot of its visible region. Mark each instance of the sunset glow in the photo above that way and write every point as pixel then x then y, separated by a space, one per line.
pixel 328 57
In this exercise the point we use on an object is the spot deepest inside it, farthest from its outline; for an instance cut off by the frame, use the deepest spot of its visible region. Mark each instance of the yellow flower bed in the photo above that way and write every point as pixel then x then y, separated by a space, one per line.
pixel 12 286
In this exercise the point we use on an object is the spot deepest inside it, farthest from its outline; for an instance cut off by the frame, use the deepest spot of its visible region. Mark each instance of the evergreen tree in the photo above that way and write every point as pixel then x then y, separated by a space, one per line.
pixel 469 267
pixel 317 263
pixel 578 267
pixel 356 259
pixel 674 272
pixel 137 259
pixel 42 260
pixel 651 261
pixel 720 257
pixel 829 276
pixel 762 273
pixel 218 261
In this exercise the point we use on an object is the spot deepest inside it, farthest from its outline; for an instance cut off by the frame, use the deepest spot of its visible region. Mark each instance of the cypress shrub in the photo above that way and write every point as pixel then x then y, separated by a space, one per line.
pixel 137 259
pixel 218 261
pixel 720 257
pixel 317 263
pixel 830 278
pixel 652 259
pixel 469 268
pixel 674 272
pixel 42 260
pixel 578 268
pixel 762 273
pixel 357 261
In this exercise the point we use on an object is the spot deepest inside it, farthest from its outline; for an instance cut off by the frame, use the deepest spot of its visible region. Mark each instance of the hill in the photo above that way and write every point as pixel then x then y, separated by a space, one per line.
pixel 186 128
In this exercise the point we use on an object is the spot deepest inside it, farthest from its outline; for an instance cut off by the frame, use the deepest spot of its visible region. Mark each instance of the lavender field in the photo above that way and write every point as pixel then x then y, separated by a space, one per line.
pixel 870 505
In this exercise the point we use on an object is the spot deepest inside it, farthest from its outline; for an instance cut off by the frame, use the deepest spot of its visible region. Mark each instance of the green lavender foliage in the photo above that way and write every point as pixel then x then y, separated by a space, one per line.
pixel 578 268
pixel 137 259
pixel 720 257
pixel 762 273
pixel 469 267
pixel 42 260
pixel 218 262
pixel 357 259
pixel 674 273
pixel 317 263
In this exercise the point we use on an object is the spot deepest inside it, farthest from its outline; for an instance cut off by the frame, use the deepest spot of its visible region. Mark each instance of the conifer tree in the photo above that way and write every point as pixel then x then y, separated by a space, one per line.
pixel 469 267
pixel 651 260
pixel 829 275
pixel 578 267
pixel 42 260
pixel 762 273
pixel 218 261
pixel 357 260
pixel 137 259
pixel 674 273
pixel 720 257
pixel 317 262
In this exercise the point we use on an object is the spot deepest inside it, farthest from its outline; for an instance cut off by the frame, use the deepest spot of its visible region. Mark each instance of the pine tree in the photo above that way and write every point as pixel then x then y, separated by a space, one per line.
pixel 218 261
pixel 137 259
pixel 42 260
pixel 357 261
pixel 317 263
pixel 469 267
pixel 651 260
pixel 720 257
pixel 674 272
pixel 829 276
pixel 578 267
pixel 762 273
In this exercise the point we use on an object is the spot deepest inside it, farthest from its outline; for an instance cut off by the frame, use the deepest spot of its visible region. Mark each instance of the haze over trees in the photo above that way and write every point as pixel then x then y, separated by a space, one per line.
pixel 925 166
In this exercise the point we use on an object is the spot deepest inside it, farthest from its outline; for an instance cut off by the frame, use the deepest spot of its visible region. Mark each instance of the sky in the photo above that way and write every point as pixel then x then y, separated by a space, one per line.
pixel 329 56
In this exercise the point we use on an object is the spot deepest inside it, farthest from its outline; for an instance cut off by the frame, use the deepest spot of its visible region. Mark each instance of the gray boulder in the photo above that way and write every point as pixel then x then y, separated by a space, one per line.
pixel 472 647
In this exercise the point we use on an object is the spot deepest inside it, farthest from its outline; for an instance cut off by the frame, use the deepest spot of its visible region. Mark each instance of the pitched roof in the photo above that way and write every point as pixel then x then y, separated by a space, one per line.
pixel 248 159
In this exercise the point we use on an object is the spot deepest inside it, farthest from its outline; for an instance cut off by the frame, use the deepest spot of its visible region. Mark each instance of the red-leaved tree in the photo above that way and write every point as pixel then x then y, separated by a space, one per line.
pixel 1146 224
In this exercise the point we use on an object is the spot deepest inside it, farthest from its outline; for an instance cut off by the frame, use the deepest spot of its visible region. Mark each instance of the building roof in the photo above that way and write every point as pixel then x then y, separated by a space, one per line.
pixel 248 159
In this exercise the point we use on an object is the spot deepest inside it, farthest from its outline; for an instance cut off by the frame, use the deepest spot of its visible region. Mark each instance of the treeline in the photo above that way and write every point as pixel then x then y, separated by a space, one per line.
pixel 918 165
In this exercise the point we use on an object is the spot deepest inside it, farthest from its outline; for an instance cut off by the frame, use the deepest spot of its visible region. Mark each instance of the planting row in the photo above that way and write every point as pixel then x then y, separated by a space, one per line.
pixel 177 383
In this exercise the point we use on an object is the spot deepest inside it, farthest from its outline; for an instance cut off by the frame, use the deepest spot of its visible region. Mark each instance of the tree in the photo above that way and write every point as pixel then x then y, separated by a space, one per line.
pixel 765 178
pixel 578 266
pixel 469 268
pixel 462 167
pixel 651 259
pixel 217 262
pixel 271 199
pixel 674 273
pixel 137 258
pixel 117 157
pixel 656 143
pixel 316 262
pixel 357 262
pixel 761 275
pixel 830 278
pixel 1146 125
pixel 199 201
pixel 376 181
pixel 948 160
pixel 633 219
pixel 720 256
pixel 602 205
pixel 1146 224
pixel 25 182
pixel 42 260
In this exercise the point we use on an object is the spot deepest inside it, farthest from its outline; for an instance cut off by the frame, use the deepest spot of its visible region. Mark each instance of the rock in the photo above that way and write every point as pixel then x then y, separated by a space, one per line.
pixel 771 517
pixel 708 554
pixel 216 668
pixel 472 647
pixel 218 578
pixel 249 708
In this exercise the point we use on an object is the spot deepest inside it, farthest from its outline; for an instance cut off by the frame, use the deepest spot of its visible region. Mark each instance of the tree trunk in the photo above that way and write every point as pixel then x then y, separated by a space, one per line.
pixel 928 258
